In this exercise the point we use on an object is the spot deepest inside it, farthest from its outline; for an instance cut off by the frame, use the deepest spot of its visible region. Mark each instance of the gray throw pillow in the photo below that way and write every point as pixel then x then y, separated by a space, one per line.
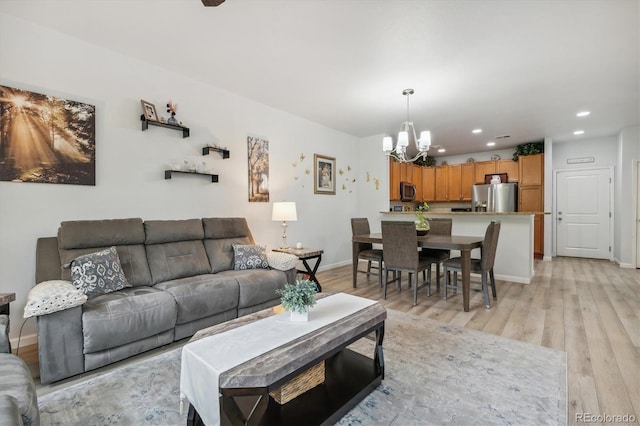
pixel 249 257
pixel 98 273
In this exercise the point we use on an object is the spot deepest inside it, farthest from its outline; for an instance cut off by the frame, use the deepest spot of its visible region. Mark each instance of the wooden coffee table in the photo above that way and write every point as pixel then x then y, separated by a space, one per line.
pixel 349 376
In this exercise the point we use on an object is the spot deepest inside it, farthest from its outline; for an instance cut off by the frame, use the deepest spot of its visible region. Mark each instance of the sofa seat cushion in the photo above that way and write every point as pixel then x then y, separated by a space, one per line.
pixel 201 296
pixel 257 285
pixel 17 383
pixel 125 316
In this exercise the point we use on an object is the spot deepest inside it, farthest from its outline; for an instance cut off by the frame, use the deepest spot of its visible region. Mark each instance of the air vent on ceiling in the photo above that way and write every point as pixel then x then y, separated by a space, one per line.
pixel 503 137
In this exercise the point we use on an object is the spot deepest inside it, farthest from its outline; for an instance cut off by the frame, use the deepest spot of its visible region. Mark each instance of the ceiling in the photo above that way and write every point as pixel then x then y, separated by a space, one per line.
pixel 518 68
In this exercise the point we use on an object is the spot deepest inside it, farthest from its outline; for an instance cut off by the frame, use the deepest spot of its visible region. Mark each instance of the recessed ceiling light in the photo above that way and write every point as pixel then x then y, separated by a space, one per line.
pixel 491 143
pixel 476 131
pixel 442 150
pixel 578 132
pixel 583 113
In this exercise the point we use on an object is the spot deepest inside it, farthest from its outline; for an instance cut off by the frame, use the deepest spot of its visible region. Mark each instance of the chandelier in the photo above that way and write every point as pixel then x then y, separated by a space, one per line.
pixel 406 131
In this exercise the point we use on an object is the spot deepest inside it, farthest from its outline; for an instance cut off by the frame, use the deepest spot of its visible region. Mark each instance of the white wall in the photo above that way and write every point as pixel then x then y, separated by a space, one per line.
pixel 628 150
pixel 130 163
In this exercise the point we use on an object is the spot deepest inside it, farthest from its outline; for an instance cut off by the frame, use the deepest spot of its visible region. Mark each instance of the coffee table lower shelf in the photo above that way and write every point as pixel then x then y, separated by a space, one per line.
pixel 349 378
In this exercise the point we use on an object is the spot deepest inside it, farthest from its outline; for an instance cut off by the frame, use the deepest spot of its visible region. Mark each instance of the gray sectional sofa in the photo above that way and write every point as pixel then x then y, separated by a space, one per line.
pixel 183 280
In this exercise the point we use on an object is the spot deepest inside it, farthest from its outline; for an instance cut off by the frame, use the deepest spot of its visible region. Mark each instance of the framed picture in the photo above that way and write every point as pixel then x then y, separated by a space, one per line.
pixel 324 169
pixel 149 110
pixel 46 139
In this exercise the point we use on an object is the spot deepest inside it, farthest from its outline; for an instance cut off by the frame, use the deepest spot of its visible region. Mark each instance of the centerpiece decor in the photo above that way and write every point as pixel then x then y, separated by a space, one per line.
pixel 298 298
pixel 422 222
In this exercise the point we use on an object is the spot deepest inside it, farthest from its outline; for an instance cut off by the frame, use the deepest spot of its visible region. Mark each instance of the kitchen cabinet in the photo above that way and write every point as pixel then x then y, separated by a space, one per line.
pixel 531 196
pixel 428 184
pixel 460 179
pixel 416 179
pixel 531 169
pixel 510 167
pixel 467 179
pixel 454 182
pixel 484 168
pixel 394 180
pixel 442 183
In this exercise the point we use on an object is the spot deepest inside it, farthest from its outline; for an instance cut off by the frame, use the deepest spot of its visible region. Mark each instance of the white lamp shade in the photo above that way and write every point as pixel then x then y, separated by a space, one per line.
pixel 284 211
pixel 387 144
pixel 403 138
pixel 425 140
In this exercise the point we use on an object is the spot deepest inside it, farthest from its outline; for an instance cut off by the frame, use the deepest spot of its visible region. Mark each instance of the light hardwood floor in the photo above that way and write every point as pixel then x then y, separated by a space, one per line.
pixel 587 308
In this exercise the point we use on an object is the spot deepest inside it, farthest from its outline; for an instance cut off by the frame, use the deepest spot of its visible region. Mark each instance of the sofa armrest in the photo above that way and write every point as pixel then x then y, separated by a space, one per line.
pixel 60 344
pixel 5 344
pixel 9 411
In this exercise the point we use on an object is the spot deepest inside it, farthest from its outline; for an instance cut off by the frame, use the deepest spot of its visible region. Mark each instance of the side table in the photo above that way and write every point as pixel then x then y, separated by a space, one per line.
pixel 305 254
pixel 5 299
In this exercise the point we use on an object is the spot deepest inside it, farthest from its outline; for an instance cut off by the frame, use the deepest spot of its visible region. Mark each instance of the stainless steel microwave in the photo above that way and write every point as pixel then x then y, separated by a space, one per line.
pixel 407 191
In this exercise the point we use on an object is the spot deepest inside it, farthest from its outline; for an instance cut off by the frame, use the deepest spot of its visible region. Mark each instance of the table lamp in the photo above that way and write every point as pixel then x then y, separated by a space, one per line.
pixel 284 211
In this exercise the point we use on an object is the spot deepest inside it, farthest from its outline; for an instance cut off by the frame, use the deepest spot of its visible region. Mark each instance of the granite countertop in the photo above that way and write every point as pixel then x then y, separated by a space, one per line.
pixel 445 213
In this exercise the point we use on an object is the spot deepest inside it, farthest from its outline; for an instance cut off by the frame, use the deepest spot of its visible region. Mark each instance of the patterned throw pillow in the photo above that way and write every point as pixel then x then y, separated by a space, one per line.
pixel 98 273
pixel 249 257
pixel 52 296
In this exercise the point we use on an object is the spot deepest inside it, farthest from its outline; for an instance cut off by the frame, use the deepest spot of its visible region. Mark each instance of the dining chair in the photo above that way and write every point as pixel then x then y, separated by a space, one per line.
pixel 400 252
pixel 360 226
pixel 438 227
pixel 482 266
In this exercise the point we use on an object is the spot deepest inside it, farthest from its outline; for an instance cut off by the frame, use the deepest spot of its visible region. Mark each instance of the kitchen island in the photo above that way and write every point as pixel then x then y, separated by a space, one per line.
pixel 514 256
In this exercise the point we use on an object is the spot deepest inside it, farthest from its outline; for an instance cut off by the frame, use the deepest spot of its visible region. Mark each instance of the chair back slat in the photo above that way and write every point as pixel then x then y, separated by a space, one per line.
pixel 400 245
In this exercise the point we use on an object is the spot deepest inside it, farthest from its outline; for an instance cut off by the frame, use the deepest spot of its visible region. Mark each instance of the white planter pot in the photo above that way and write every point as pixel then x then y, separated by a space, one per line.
pixel 297 316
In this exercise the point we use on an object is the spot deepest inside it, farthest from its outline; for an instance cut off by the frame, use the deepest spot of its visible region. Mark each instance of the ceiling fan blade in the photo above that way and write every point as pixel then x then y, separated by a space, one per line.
pixel 213 3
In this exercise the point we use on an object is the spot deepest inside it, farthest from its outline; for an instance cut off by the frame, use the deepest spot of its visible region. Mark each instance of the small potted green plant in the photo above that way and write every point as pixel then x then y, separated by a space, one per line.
pixel 422 222
pixel 298 298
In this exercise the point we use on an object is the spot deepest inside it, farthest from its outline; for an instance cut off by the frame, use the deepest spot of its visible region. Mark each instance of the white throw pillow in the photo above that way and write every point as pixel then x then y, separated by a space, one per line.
pixel 52 296
pixel 282 261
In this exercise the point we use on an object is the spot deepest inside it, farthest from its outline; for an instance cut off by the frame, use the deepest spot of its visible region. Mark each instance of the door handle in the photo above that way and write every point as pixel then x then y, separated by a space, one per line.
pixel 559 218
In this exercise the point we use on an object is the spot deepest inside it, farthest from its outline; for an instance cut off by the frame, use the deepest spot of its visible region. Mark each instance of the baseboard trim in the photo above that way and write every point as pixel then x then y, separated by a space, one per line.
pixel 28 340
pixel 547 258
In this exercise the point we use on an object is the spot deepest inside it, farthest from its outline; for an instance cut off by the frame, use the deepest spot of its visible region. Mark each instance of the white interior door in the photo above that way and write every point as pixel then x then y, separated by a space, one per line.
pixel 583 206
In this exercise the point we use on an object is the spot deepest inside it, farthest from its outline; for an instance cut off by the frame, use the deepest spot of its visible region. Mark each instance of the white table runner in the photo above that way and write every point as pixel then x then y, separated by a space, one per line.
pixel 204 359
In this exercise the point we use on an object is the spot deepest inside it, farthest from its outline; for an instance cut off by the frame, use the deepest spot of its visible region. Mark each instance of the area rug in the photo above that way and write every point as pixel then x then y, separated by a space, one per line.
pixel 435 374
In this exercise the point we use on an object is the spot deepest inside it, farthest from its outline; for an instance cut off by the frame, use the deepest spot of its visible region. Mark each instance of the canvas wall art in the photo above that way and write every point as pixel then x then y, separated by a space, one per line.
pixel 46 139
pixel 258 156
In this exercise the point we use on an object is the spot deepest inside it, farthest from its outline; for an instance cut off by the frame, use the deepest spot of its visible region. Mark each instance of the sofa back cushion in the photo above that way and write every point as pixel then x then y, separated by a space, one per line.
pixel 80 237
pixel 175 249
pixel 220 235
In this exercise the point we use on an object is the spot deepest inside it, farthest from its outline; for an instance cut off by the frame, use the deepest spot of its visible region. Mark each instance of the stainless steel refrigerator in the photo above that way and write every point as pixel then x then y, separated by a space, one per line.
pixel 495 197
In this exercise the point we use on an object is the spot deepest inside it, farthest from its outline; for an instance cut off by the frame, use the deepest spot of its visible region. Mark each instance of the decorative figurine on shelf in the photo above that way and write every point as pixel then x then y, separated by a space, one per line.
pixel 171 109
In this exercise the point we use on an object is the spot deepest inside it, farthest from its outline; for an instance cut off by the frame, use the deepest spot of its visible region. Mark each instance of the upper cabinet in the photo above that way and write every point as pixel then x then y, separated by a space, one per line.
pixel 484 168
pixel 490 167
pixel 442 183
pixel 509 167
pixel 428 184
pixel 531 169
pixel 467 179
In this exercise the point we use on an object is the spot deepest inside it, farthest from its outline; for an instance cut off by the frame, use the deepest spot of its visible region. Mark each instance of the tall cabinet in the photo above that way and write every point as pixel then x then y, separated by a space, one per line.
pixel 531 196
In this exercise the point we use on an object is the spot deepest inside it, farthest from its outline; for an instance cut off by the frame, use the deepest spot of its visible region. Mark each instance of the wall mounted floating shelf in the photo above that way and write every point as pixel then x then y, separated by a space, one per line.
pixel 224 153
pixel 145 126
pixel 168 173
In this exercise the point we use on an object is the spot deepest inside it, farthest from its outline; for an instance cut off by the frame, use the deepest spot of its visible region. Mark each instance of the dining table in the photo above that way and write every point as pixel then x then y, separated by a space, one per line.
pixel 462 243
